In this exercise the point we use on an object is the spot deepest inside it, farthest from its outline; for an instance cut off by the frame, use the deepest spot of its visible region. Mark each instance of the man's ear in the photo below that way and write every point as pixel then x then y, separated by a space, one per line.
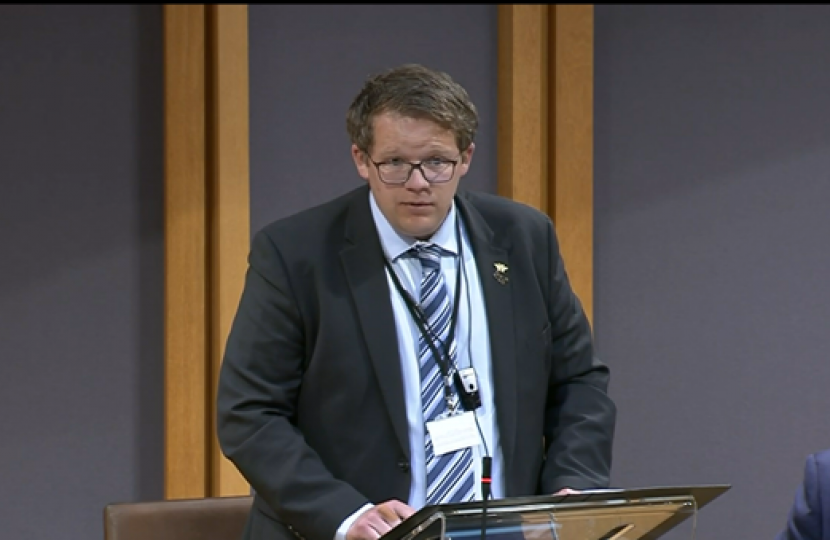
pixel 360 162
pixel 466 159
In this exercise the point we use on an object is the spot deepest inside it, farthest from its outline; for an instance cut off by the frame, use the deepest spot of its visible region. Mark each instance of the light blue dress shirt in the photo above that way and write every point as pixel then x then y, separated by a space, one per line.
pixel 472 347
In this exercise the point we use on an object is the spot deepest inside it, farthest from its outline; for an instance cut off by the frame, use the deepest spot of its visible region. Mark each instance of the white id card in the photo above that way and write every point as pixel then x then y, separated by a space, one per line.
pixel 454 433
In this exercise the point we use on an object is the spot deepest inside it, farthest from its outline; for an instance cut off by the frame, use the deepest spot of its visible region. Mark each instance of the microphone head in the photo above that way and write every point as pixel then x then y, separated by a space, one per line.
pixel 486 467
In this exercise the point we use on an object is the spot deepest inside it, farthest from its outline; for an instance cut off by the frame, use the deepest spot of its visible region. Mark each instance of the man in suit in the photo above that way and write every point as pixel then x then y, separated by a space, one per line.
pixel 394 344
pixel 809 517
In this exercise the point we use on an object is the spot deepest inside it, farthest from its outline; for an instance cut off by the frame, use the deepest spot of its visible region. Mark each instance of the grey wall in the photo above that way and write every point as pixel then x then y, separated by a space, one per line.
pixel 712 151
pixel 712 302
pixel 308 62
pixel 81 273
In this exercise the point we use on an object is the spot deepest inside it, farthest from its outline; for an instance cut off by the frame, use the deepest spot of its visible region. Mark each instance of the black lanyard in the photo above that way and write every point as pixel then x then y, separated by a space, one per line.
pixel 443 360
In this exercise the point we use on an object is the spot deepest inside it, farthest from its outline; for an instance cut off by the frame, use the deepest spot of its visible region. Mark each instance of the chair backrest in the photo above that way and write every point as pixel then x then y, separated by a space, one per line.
pixel 213 518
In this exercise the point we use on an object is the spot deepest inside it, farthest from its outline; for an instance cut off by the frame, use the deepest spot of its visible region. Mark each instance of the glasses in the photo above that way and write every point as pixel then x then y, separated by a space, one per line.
pixel 398 171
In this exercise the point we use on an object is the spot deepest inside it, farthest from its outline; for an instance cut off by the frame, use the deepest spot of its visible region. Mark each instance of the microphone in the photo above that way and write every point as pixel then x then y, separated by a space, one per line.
pixel 486 480
pixel 486 477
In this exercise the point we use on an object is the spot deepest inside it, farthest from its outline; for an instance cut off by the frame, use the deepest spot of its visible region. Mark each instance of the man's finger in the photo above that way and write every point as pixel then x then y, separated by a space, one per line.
pixel 378 523
pixel 389 516
pixel 402 510
pixel 362 531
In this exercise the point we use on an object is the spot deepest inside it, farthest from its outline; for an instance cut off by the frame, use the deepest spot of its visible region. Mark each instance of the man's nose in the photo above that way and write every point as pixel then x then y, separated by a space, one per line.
pixel 417 180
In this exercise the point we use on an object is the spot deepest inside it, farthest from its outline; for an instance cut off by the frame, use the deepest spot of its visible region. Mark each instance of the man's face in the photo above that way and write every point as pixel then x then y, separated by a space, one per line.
pixel 416 208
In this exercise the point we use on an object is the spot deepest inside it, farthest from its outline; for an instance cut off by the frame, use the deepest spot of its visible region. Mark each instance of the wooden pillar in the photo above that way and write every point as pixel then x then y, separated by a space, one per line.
pixel 571 142
pixel 523 103
pixel 185 252
pixel 206 232
pixel 545 132
pixel 230 204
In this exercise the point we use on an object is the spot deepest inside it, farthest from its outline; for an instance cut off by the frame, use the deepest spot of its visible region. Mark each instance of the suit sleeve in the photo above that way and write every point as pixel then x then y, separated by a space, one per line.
pixel 804 521
pixel 580 416
pixel 259 383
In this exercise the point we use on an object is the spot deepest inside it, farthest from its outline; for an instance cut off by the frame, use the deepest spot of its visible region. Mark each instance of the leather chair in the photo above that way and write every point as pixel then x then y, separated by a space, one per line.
pixel 213 518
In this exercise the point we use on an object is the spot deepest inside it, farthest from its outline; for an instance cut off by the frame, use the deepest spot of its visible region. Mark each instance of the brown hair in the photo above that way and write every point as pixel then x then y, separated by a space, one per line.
pixel 414 91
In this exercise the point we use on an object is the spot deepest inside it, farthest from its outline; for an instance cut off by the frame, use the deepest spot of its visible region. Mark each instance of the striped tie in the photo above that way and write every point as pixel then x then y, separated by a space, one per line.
pixel 450 476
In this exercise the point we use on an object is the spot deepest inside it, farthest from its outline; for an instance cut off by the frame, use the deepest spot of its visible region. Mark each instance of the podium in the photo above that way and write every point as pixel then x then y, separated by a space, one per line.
pixel 611 514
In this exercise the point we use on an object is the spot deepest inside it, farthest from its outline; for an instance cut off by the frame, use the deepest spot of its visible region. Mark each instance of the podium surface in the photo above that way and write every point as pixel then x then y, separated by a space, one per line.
pixel 614 514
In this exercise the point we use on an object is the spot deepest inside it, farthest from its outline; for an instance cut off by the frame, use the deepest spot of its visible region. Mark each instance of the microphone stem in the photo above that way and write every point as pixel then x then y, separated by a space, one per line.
pixel 486 480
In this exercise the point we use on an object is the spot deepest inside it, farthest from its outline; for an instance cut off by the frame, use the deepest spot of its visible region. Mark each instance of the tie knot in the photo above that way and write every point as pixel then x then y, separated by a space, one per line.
pixel 428 254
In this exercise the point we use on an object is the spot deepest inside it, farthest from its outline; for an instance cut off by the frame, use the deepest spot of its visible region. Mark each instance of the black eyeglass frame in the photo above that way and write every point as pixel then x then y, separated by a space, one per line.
pixel 412 166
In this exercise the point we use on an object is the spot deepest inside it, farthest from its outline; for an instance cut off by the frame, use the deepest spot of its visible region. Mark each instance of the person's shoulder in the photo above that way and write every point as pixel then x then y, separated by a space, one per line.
pixel 822 458
pixel 501 210
pixel 817 469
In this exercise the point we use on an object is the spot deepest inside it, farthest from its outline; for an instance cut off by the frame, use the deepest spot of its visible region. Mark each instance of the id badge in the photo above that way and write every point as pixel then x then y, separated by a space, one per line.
pixel 454 433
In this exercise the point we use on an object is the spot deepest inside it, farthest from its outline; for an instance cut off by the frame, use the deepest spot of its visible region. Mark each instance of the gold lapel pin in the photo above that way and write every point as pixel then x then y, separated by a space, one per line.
pixel 501 272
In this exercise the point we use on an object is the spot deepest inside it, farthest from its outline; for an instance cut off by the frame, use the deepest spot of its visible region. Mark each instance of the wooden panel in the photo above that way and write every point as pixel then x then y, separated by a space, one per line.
pixel 571 203
pixel 523 103
pixel 545 128
pixel 229 204
pixel 185 251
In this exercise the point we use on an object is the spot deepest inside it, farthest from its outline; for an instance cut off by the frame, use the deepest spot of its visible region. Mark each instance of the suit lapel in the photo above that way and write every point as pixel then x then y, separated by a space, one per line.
pixel 490 252
pixel 362 261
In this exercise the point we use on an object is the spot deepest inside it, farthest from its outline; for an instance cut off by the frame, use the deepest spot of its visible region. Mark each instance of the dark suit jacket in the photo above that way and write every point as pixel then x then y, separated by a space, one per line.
pixel 809 517
pixel 310 399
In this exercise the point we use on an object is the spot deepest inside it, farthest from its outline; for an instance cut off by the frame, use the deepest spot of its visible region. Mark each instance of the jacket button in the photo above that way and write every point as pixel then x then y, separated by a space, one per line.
pixel 403 465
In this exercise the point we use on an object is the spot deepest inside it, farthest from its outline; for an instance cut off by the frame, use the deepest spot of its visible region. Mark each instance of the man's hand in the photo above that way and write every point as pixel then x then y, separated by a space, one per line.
pixel 379 520
pixel 567 491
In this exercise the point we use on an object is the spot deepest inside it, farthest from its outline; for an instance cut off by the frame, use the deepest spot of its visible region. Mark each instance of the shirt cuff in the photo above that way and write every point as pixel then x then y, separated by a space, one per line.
pixel 347 523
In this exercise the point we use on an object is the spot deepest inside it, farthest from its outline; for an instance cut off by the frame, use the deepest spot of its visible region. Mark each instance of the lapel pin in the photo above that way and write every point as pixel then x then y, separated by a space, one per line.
pixel 501 273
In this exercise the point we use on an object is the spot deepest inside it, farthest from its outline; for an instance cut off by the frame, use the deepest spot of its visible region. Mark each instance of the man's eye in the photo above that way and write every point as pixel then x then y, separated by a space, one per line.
pixel 394 162
pixel 435 162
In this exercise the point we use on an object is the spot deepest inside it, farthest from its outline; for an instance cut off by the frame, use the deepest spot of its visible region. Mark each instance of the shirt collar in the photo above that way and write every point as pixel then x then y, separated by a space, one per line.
pixel 395 244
